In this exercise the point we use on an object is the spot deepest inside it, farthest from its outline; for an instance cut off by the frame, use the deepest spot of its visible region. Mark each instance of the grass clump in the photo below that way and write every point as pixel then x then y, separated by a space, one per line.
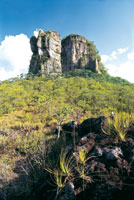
pixel 118 125
pixel 65 164
pixel 82 167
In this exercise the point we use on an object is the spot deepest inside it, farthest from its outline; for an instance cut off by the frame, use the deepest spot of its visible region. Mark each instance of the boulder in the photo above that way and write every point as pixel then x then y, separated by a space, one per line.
pixel 112 154
pixel 92 125
pixel 97 151
pixel 69 127
pixel 68 193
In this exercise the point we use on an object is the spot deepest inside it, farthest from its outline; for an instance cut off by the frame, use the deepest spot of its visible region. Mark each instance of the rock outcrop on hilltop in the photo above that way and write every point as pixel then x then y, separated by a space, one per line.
pixel 50 54
pixel 46 50
pixel 77 53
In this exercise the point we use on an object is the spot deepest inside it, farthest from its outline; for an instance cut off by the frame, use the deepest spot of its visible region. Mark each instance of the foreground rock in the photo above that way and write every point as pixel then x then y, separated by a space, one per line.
pixel 92 125
pixel 67 193
pixel 70 127
pixel 87 126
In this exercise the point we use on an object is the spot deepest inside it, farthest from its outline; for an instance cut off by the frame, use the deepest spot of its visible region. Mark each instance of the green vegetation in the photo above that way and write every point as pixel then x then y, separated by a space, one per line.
pixel 119 125
pixel 70 35
pixel 32 107
pixel 98 93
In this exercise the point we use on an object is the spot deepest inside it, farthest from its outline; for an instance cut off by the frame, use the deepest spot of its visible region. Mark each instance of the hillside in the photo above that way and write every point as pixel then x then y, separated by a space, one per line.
pixel 75 90
pixel 32 107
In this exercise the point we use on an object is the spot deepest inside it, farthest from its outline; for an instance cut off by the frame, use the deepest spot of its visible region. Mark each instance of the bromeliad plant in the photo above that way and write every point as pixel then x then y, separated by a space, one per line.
pixel 81 167
pixel 118 125
pixel 121 124
pixel 64 171
pixel 65 164
pixel 70 168
pixel 82 156
pixel 58 178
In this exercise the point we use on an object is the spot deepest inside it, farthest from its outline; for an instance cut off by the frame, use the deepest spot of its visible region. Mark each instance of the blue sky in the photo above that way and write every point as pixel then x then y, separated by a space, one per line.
pixel 109 23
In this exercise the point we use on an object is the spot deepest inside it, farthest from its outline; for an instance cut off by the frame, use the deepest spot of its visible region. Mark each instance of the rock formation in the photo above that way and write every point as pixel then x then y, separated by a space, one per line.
pixel 46 50
pixel 52 55
pixel 78 53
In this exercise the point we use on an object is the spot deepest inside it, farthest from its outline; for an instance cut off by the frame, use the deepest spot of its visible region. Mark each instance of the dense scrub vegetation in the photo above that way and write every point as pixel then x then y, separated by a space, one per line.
pixel 31 108
pixel 96 93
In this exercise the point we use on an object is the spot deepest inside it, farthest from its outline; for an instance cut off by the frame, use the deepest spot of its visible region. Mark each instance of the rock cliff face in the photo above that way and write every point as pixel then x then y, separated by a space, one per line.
pixel 52 55
pixel 77 53
pixel 46 53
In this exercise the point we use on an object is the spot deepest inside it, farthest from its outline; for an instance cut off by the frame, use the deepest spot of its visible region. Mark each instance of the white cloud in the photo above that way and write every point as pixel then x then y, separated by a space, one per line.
pixel 104 58
pixel 36 32
pixel 125 66
pixel 4 75
pixel 130 56
pixel 114 55
pixel 122 50
pixel 124 70
pixel 15 55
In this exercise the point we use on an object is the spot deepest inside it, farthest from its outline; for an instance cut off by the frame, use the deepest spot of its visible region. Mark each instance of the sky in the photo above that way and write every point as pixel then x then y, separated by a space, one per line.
pixel 109 23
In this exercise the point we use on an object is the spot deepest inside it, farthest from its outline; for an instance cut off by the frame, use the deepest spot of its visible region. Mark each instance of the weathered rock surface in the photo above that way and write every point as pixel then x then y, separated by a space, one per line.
pixel 67 193
pixel 69 127
pixel 52 55
pixel 46 50
pixel 87 126
pixel 79 53
pixel 92 125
